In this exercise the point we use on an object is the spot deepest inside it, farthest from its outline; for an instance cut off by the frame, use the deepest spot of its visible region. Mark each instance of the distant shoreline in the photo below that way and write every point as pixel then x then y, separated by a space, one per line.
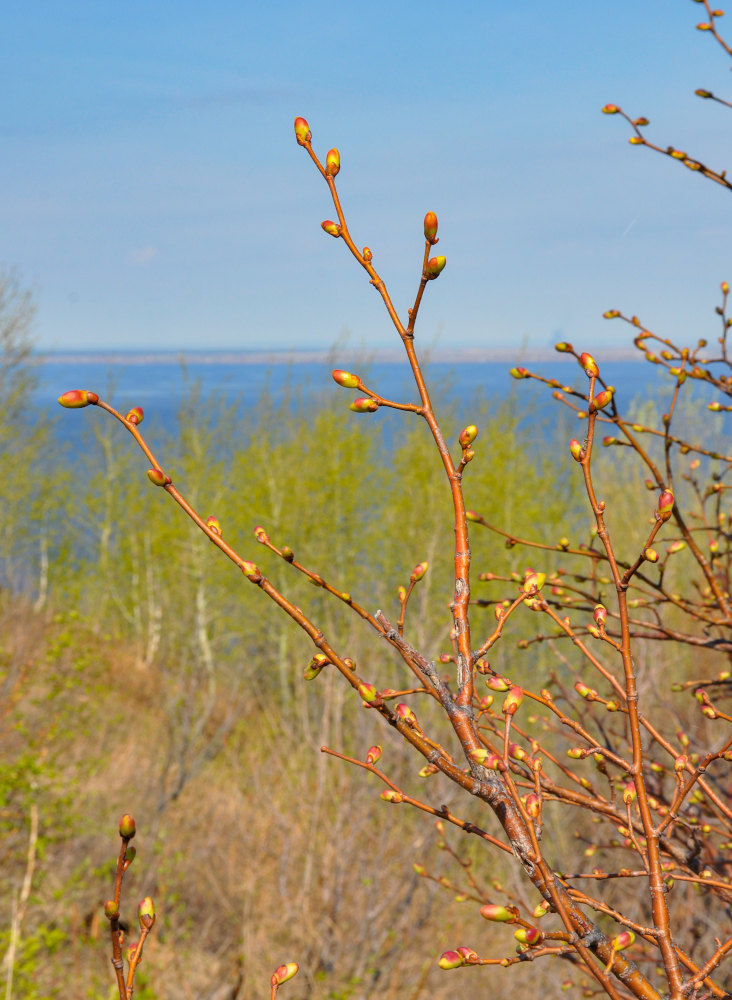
pixel 223 357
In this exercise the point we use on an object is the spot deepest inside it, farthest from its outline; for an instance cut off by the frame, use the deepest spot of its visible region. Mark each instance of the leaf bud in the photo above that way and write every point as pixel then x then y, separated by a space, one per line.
pixel 467 436
pixel 332 162
pixel 450 960
pixel 665 505
pixel 610 109
pixel 130 855
pixel 404 712
pixel 302 131
pixel 680 763
pixel 284 972
pixel 434 267
pixel 313 668
pixel 418 572
pixel 364 405
pixel 390 795
pixel 528 935
pixel 332 228
pixel 601 400
pixel 135 415
pixel 346 379
pixel 111 910
pixel 518 373
pixel 251 571
pixel 533 805
pixel 146 913
pixel 76 398
pixel 368 692
pixel 497 913
pixel 373 755
pixel 512 701
pixel 600 614
pixel 589 365
pixel 127 827
pixel 261 535
pixel 498 683
pixel 430 228
pixel 367 255
pixel 158 477
pixel 576 450
pixel 611 314
pixel 623 940
pixel 651 555
pixel 703 93
pixel 563 347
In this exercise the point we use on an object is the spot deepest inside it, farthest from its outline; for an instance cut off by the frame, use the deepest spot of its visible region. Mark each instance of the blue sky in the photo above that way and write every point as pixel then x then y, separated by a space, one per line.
pixel 151 190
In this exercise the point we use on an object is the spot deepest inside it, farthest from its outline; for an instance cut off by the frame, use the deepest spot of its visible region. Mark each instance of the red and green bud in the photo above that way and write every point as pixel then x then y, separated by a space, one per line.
pixel 287 554
pixel 127 827
pixel 576 450
pixel 601 400
pixel 651 555
pixel 391 795
pixel 589 365
pixel 450 960
pixel 623 940
pixel 533 808
pixel 368 692
pixel 373 755
pixel 600 614
pixel 135 415
pixel 430 228
pixel 488 759
pixel 467 954
pixel 610 109
pixel 330 227
pixel 533 581
pixel 76 398
pixel 146 913
pixel 665 505
pixel 563 347
pixel 498 683
pixel 332 162
pixel 680 763
pixel 302 131
pixel 213 525
pixel 158 477
pixel 434 267
pixel 467 436
pixel 418 572
pixel 367 255
pixel 497 913
pixel 611 314
pixel 518 373
pixel 313 668
pixel 528 935
pixel 346 379
pixel 111 910
pixel 512 701
pixel 261 535
pixel 541 909
pixel 404 712
pixel 130 855
pixel 629 793
pixel 364 405
pixel 251 571
pixel 284 972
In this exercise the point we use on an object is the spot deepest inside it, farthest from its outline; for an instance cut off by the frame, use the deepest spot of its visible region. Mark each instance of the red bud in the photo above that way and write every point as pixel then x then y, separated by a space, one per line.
pixel 332 228
pixel 430 227
pixel 468 435
pixel 576 450
pixel 158 477
pixel 419 571
pixel 302 131
pixel 146 913
pixel 665 505
pixel 127 827
pixel 518 373
pixel 135 415
pixel 450 960
pixel 373 755
pixel 364 405
pixel 284 972
pixel 610 109
pixel 76 398
pixel 589 365
pixel 601 400
pixel 434 267
pixel 500 914
pixel 332 162
pixel 346 379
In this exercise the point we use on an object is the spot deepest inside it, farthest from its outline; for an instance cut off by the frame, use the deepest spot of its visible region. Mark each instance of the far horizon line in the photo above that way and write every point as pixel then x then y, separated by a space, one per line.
pixel 316 356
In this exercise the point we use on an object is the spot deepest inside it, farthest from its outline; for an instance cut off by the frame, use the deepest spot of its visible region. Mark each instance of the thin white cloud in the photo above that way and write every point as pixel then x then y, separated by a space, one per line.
pixel 141 256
